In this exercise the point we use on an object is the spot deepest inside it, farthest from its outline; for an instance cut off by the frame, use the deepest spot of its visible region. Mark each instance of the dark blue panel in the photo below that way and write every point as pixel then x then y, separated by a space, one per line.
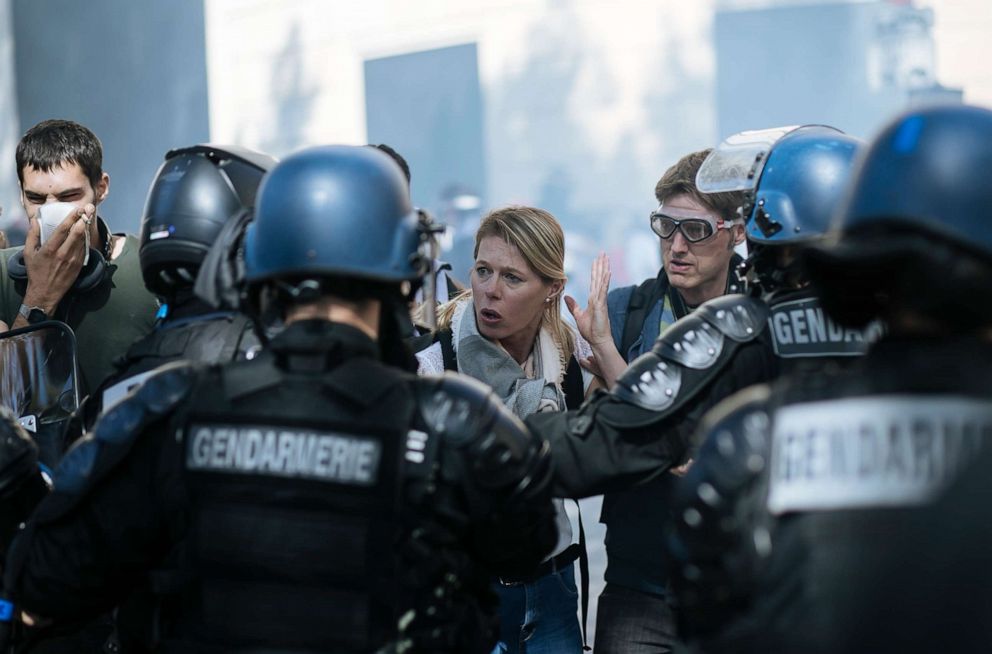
pixel 800 64
pixel 133 72
pixel 428 106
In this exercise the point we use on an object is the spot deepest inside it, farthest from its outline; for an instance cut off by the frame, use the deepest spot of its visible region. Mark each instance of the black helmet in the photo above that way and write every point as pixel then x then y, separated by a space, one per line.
pixel 335 211
pixel 793 178
pixel 195 192
pixel 917 217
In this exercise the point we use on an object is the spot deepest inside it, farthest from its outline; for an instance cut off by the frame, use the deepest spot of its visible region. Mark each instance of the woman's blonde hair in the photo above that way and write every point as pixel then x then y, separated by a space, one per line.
pixel 539 238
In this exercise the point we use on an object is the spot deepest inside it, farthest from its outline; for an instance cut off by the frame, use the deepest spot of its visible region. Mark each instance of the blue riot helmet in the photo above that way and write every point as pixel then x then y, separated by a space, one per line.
pixel 195 192
pixel 915 231
pixel 793 179
pixel 334 212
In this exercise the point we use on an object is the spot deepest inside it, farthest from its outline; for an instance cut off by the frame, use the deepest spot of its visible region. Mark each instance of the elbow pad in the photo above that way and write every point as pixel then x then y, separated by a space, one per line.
pixel 487 450
pixel 690 353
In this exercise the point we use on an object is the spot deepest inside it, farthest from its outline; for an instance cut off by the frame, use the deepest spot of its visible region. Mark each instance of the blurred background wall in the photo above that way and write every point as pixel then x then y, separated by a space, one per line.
pixel 133 72
pixel 577 106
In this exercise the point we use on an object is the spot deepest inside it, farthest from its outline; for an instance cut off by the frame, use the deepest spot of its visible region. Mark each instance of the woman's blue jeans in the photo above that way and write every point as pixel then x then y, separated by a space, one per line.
pixel 540 617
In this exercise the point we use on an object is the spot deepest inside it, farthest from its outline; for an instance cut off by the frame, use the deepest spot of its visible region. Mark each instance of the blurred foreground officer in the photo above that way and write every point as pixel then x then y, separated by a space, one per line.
pixel 798 482
pixel 322 499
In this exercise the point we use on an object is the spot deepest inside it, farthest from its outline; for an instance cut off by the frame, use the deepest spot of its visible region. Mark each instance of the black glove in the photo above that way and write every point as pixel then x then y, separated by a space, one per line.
pixel 21 485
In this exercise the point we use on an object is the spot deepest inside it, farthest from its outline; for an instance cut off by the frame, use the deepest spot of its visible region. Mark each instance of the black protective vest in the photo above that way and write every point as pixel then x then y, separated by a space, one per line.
pixel 213 338
pixel 795 336
pixel 827 470
pixel 203 338
pixel 293 477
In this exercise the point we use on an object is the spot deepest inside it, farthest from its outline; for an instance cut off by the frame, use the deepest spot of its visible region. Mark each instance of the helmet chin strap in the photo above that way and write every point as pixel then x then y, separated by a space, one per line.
pixel 765 270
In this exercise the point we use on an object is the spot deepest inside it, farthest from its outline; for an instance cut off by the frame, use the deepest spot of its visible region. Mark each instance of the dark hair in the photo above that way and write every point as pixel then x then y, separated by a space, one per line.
pixel 52 143
pixel 397 157
pixel 680 179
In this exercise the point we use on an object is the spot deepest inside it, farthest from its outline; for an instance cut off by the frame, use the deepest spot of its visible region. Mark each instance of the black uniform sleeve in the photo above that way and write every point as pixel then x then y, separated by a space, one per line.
pixel 500 470
pixel 602 447
pixel 22 486
pixel 83 562
pixel 116 508
pixel 611 443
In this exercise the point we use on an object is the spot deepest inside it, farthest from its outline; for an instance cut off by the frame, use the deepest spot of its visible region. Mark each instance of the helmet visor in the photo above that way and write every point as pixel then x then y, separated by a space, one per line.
pixel 736 164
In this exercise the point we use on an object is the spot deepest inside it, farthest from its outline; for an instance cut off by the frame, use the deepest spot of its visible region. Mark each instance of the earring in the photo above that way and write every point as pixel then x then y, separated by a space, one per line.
pixel 547 299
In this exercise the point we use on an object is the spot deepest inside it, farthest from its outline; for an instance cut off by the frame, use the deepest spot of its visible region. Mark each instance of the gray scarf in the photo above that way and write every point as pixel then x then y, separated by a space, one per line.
pixel 486 361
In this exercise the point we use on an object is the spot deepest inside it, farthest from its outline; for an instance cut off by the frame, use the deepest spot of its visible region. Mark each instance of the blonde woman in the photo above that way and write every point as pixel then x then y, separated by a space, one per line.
pixel 507 331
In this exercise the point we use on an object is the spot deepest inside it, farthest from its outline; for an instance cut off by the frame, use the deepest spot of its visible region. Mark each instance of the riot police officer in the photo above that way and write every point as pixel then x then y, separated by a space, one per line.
pixel 195 193
pixel 801 487
pixel 320 499
pixel 792 184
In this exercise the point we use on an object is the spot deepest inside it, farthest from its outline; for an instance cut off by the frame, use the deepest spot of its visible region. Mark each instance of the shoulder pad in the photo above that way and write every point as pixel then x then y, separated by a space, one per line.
pixel 739 317
pixel 697 340
pixel 650 383
pixel 466 415
pixel 715 540
pixel 455 407
pixel 734 451
pixel 115 432
pixel 746 414
pixel 658 381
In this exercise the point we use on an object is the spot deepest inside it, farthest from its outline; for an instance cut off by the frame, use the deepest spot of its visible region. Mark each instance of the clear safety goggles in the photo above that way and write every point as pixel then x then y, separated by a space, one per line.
pixel 695 227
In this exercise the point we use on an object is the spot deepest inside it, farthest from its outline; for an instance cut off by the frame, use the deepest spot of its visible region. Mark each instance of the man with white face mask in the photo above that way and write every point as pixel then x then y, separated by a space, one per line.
pixel 82 275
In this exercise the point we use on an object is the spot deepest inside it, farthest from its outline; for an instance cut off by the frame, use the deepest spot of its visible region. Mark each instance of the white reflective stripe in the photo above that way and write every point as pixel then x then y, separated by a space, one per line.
pixel 871 452
pixel 114 394
pixel 416 443
pixel 282 452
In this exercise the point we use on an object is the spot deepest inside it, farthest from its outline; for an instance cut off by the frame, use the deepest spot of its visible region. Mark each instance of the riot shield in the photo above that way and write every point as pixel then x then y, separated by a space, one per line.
pixel 38 382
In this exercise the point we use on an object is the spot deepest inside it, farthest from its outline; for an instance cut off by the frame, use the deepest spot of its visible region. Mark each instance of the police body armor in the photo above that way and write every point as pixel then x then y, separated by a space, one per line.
pixel 215 337
pixel 799 479
pixel 691 353
pixel 312 531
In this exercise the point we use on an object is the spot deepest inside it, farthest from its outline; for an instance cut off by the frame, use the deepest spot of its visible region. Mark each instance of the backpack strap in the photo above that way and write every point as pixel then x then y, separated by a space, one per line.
pixel 642 299
pixel 444 337
pixel 572 384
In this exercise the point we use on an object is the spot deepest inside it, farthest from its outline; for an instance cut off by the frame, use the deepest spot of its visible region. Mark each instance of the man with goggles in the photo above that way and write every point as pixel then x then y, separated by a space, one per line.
pixel 698 234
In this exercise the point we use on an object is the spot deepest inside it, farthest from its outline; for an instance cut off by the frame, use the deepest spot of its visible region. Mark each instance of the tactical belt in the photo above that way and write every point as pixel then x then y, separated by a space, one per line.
pixel 558 562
